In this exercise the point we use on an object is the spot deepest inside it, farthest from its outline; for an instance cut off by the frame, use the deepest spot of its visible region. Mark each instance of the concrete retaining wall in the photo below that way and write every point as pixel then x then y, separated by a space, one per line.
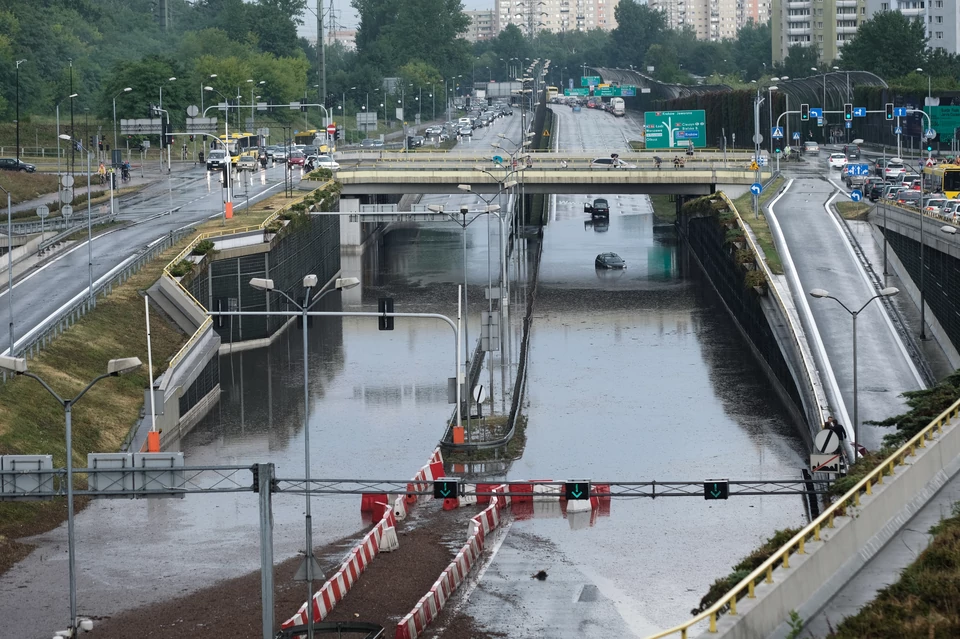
pixel 811 578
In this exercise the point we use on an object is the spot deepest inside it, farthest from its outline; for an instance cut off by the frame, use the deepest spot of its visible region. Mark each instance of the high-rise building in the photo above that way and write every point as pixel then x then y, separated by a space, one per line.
pixel 481 27
pixel 556 16
pixel 713 20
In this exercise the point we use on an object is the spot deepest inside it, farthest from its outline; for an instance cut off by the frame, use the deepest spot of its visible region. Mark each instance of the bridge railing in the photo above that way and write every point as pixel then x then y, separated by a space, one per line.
pixel 796 546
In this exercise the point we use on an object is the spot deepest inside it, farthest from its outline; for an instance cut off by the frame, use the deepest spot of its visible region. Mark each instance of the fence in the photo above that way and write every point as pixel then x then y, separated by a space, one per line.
pixel 69 316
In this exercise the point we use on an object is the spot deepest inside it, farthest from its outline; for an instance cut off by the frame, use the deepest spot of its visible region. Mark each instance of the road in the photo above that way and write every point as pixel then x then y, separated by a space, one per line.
pixel 183 199
pixel 634 375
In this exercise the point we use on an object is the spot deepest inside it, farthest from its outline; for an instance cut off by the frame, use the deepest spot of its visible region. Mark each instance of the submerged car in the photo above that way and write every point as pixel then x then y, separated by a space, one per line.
pixel 609 261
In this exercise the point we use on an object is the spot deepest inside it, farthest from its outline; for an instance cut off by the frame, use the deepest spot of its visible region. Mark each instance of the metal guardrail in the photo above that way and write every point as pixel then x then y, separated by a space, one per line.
pixel 182 255
pixel 53 224
pixel 69 316
pixel 764 572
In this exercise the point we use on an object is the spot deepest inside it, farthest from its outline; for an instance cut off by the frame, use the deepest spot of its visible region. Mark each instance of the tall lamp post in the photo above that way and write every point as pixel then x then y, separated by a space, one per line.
pixel 70 97
pixel 19 62
pixel 228 203
pixel 309 283
pixel 115 368
pixel 770 90
pixel 887 292
pixel 77 143
pixel 126 90
pixel 9 265
pixel 253 87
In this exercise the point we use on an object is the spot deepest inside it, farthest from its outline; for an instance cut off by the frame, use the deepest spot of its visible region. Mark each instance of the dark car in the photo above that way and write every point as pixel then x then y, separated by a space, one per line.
pixel 609 260
pixel 878 166
pixel 371 143
pixel 13 164
pixel 908 197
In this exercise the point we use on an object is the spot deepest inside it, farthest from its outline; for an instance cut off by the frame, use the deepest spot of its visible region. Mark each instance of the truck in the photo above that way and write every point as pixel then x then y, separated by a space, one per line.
pixel 617 107
pixel 599 209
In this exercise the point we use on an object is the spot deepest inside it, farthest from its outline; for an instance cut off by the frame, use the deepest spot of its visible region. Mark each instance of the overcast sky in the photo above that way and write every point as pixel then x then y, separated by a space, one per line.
pixel 346 16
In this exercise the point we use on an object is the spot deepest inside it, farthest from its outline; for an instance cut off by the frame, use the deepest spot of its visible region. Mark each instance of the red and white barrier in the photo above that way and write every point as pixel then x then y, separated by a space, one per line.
pixel 421 482
pixel 430 605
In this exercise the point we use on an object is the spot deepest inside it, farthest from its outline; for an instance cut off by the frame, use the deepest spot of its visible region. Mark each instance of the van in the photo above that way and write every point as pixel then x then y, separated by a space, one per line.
pixel 217 159
pixel 465 122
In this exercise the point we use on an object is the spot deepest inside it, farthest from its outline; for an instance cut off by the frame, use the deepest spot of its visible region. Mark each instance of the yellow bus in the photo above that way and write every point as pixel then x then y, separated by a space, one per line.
pixel 314 137
pixel 240 143
pixel 943 178
pixel 552 94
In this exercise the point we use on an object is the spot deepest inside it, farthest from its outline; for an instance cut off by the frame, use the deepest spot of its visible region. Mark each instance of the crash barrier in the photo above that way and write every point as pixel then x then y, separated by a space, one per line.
pixel 430 605
pixel 382 538
pixel 762 600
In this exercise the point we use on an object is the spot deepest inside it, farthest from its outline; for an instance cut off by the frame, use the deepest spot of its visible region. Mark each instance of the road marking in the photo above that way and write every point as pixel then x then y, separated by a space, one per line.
pixel 798 294
pixel 870 286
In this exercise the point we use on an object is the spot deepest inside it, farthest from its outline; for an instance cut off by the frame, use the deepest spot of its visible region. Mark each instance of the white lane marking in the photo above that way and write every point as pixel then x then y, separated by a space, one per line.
pixel 74 300
pixel 473 583
pixel 870 286
pixel 800 298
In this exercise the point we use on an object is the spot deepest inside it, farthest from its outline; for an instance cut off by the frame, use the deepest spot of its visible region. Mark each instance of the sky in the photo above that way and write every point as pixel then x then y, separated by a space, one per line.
pixel 346 16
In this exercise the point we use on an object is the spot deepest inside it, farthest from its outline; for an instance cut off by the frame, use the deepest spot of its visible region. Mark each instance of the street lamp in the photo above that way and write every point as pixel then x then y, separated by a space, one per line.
pixel 19 62
pixel 93 300
pixel 228 203
pixel 887 292
pixel 126 90
pixel 69 97
pixel 770 90
pixel 253 86
pixel 161 90
pixel 10 264
pixel 115 368
pixel 309 283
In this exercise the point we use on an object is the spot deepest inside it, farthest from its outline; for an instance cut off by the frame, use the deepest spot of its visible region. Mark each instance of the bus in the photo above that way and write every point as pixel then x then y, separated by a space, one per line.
pixel 314 137
pixel 552 94
pixel 616 106
pixel 943 178
pixel 239 144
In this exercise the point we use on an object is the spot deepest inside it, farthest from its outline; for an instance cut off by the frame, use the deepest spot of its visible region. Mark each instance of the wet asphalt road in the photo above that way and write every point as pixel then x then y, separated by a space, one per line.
pixel 634 375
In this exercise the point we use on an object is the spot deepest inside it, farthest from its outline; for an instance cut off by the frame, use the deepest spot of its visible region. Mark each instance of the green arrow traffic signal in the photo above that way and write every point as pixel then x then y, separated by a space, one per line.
pixel 716 489
pixel 577 489
pixel 444 488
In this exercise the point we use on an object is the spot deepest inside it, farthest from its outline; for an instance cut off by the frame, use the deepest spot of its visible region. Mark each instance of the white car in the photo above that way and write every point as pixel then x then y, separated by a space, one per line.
pixel 325 162
pixel 836 160
pixel 894 169
pixel 611 163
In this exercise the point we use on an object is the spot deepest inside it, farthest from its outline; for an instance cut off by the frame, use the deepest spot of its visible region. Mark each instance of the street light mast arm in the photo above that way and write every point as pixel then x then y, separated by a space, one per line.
pixel 56 396
pixel 89 386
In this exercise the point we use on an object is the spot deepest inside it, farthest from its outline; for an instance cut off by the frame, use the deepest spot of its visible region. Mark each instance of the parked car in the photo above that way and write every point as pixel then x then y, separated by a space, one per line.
pixel 836 160
pixel 609 261
pixel 600 208
pixel 13 164
pixel 611 163
pixel 811 148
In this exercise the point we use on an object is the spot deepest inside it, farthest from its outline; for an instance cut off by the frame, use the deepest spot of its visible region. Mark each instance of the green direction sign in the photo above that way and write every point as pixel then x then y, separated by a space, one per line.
pixel 445 488
pixel 583 92
pixel 588 80
pixel 716 489
pixel 576 489
pixel 625 91
pixel 675 129
pixel 944 120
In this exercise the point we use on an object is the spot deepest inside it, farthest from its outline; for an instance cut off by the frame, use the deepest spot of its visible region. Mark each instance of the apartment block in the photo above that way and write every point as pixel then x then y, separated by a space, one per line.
pixel 482 25
pixel 556 16
pixel 713 20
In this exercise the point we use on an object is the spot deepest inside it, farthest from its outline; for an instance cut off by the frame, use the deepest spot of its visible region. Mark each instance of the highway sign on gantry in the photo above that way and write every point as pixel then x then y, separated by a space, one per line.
pixel 859 112
pixel 672 129
pixel 716 489
pixel 574 489
pixel 900 112
pixel 446 487
pixel 816 112
pixel 589 80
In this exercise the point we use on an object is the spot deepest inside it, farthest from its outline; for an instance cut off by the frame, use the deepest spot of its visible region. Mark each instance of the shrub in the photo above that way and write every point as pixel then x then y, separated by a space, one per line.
pixel 203 247
pixel 735 235
pixel 181 268
pixel 745 256
pixel 755 278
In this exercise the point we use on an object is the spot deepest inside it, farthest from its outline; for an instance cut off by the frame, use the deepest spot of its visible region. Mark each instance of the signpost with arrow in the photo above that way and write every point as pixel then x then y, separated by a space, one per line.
pixel 446 487
pixel 576 489
pixel 716 489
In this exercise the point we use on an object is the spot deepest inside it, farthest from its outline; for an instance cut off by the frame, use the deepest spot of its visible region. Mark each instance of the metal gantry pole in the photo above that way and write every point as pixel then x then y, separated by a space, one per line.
pixel 309 561
pixel 856 406
pixel 10 270
pixel 93 300
pixel 265 478
pixel 71 544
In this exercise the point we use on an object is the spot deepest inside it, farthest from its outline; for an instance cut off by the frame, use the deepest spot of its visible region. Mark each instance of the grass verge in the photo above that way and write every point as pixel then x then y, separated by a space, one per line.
pixel 759 225
pixel 31 422
pixel 664 208
pixel 853 210
pixel 924 601
pixel 24 187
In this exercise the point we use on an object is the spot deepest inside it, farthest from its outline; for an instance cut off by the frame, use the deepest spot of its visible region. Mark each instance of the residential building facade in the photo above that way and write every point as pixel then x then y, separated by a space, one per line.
pixel 556 16
pixel 482 25
pixel 713 20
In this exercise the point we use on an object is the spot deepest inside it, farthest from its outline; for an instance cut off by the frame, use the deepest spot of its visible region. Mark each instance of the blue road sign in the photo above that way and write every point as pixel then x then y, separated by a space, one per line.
pixel 930 134
pixel 859 112
pixel 796 135
pixel 498 159
pixel 858 169
pixel 776 132
pixel 848 124
pixel 819 121
pixel 756 188
pixel 899 112
pixel 856 195
pixel 898 130
pixel 816 112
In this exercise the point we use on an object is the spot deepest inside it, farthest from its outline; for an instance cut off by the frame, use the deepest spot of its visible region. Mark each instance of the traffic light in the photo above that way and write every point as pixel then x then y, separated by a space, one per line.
pixel 336 135
pixel 576 489
pixel 804 112
pixel 716 489
pixel 848 111
pixel 445 488
pixel 888 110
pixel 385 305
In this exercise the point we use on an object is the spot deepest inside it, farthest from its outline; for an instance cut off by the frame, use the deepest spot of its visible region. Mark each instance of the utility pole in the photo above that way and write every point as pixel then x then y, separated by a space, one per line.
pixel 321 57
pixel 73 135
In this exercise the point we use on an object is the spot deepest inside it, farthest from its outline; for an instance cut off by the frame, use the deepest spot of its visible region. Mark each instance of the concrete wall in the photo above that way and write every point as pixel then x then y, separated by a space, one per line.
pixel 814 577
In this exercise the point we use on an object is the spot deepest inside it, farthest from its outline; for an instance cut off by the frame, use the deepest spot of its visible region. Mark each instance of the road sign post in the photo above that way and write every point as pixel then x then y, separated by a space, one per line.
pixel 716 489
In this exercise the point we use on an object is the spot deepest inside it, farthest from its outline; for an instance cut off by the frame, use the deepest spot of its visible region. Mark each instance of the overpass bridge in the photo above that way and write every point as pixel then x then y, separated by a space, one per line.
pixel 547 174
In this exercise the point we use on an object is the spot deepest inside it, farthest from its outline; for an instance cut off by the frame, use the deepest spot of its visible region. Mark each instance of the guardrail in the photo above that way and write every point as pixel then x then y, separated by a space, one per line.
pixel 764 572
pixel 69 316
pixel 53 224
pixel 182 255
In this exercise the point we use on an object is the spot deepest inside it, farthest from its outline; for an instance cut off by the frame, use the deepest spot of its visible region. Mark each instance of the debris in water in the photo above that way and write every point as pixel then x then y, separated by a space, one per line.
pixel 542 575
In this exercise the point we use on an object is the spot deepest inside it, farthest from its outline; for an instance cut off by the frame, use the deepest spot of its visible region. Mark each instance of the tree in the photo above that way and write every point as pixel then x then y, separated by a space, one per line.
pixel 638 28
pixel 752 50
pixel 800 59
pixel 889 45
